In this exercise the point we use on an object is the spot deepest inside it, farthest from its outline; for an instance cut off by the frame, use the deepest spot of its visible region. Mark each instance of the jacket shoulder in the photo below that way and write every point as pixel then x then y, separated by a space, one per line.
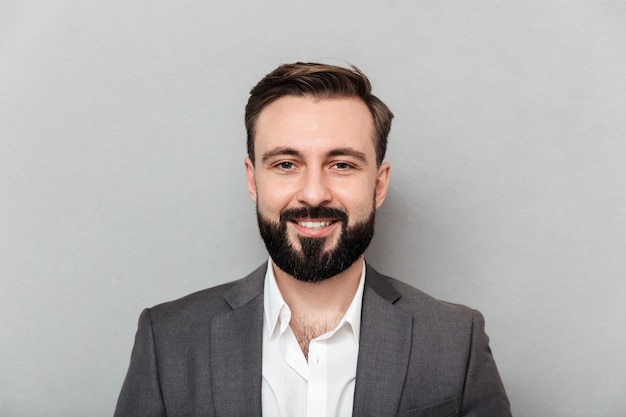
pixel 450 361
pixel 418 303
pixel 205 304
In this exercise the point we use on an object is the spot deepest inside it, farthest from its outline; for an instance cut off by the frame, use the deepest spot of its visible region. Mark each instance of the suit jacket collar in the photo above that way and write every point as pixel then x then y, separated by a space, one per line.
pixel 235 350
pixel 384 349
pixel 237 340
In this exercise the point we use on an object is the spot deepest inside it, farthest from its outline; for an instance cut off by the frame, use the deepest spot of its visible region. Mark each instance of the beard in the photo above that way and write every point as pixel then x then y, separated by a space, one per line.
pixel 312 263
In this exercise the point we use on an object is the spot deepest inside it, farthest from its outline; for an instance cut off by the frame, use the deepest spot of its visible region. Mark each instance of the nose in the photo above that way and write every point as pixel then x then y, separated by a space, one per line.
pixel 314 190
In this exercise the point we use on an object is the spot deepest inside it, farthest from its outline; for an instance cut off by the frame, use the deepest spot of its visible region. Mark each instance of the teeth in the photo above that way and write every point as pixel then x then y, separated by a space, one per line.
pixel 314 225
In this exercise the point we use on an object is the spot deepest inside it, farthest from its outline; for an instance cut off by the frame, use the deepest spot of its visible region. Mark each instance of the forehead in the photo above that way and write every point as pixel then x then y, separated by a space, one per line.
pixel 315 123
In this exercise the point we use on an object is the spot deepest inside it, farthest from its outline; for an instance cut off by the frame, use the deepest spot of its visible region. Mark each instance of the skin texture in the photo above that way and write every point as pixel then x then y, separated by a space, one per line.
pixel 316 152
pixel 310 153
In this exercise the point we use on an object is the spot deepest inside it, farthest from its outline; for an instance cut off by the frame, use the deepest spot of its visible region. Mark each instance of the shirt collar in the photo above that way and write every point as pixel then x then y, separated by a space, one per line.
pixel 278 314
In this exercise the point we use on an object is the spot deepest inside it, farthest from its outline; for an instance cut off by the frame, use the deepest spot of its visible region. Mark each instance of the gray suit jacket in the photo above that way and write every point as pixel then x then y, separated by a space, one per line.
pixel 201 356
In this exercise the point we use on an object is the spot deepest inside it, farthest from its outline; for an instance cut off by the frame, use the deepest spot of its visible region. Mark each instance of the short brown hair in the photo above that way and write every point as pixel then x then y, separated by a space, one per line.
pixel 319 81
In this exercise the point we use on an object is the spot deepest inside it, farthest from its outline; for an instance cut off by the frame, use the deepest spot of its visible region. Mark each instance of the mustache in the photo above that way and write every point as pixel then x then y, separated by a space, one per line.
pixel 314 213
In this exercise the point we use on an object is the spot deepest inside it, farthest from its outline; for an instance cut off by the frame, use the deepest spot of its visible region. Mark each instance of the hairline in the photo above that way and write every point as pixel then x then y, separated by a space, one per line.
pixel 316 96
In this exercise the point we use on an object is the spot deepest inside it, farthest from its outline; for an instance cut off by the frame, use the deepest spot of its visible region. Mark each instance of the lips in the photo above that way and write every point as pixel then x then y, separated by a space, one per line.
pixel 315 224
pixel 314 217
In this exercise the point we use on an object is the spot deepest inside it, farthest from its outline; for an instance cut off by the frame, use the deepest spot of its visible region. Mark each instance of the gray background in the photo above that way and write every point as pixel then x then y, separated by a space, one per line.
pixel 122 181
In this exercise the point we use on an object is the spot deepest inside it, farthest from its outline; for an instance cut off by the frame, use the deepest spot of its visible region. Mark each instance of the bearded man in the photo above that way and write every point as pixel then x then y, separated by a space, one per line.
pixel 315 331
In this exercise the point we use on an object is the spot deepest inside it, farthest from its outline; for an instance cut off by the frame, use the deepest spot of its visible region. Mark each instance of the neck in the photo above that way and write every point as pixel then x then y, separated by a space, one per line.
pixel 323 301
pixel 317 307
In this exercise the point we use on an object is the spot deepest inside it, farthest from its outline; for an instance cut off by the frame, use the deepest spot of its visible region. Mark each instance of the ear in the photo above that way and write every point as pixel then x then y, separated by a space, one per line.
pixel 250 176
pixel 382 183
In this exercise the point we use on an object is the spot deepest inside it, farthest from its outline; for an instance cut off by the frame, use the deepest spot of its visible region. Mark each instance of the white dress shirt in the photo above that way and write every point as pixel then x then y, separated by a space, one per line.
pixel 321 387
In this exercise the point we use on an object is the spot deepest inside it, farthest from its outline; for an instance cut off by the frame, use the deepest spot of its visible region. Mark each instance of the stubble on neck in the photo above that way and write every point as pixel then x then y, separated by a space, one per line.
pixel 317 307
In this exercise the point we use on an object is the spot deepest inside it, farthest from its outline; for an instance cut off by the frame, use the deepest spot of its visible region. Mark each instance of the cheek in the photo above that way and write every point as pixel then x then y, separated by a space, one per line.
pixel 272 198
pixel 358 203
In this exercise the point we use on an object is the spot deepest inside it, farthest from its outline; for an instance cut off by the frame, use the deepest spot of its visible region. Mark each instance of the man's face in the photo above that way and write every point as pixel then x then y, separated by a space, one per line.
pixel 316 183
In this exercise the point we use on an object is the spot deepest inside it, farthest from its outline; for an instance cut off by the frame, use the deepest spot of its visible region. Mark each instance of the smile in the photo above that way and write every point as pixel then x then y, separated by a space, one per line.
pixel 315 225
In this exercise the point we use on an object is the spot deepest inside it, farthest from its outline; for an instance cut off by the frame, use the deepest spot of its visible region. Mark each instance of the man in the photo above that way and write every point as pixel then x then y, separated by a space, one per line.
pixel 315 331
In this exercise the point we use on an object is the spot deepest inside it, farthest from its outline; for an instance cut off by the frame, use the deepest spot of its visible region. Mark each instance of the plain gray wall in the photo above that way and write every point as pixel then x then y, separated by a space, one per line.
pixel 122 181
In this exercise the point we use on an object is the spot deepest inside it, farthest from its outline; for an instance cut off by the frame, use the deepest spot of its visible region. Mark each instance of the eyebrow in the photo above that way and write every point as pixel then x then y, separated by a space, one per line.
pixel 348 152
pixel 282 150
pixel 279 151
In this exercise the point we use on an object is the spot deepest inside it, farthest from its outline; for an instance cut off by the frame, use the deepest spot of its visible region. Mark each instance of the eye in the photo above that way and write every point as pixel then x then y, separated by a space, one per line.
pixel 285 165
pixel 343 166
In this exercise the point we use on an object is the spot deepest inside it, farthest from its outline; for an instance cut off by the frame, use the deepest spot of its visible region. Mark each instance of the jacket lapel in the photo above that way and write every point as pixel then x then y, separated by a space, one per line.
pixel 384 349
pixel 237 340
pixel 235 350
